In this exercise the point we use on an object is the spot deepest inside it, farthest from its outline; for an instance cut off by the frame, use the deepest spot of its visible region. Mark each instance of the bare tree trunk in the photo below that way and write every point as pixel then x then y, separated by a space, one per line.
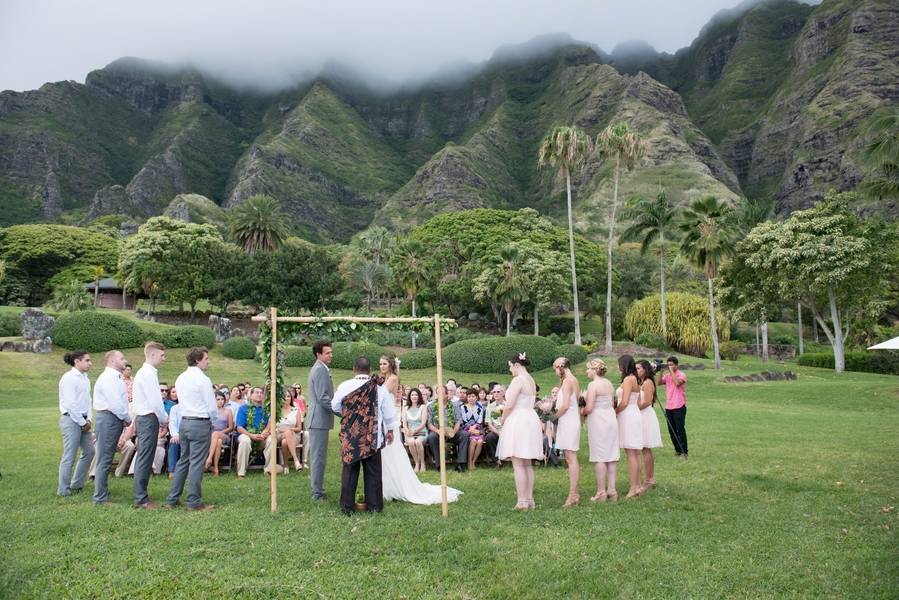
pixel 662 285
pixel 609 262
pixel 758 343
pixel 508 323
pixel 536 320
pixel 714 326
pixel 577 313
pixel 838 340
pixel 815 331
pixel 413 316
pixel 765 341
pixel 799 315
pixel 97 294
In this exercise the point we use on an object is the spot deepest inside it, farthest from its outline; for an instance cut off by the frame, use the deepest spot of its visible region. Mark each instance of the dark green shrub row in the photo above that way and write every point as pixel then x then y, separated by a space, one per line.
pixel 491 354
pixel 400 338
pixel 732 350
pixel 423 358
pixel 573 352
pixel 186 336
pixel 96 331
pixel 10 325
pixel 885 362
pixel 651 340
pixel 298 356
pixel 240 348
pixel 347 352
pixel 560 325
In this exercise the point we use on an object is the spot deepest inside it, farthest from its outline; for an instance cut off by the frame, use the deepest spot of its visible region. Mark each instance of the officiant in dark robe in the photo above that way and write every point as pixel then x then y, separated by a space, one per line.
pixel 367 419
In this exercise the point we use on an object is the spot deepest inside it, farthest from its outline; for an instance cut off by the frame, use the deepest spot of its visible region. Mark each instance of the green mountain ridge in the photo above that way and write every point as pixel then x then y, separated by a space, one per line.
pixel 770 99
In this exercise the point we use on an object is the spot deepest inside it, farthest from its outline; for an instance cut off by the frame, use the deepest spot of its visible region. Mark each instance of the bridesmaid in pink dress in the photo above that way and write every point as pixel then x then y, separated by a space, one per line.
pixel 520 437
pixel 630 425
pixel 568 432
pixel 602 431
pixel 652 435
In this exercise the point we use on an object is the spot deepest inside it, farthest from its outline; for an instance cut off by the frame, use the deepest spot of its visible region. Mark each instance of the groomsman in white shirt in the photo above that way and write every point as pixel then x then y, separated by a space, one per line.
pixel 111 413
pixel 75 423
pixel 149 414
pixel 197 401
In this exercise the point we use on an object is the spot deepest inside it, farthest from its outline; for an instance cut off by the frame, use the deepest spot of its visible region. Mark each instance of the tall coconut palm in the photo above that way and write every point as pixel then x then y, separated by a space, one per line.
pixel 650 221
pixel 709 235
pixel 258 224
pixel 565 148
pixel 511 287
pixel 98 272
pixel 625 147
pixel 409 270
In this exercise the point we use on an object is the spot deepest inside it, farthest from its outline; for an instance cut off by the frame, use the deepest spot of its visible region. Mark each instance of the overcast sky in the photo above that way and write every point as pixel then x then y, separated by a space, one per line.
pixel 271 43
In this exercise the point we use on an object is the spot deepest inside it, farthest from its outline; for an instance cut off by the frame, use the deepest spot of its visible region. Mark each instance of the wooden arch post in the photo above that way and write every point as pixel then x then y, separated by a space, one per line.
pixel 273 319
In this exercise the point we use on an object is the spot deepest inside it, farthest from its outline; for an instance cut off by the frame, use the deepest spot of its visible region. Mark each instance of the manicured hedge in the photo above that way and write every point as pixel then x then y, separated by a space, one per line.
pixel 241 348
pixel 885 362
pixel 186 336
pixel 96 331
pixel 347 352
pixel 491 355
pixel 732 350
pixel 573 352
pixel 298 356
pixel 10 325
pixel 423 358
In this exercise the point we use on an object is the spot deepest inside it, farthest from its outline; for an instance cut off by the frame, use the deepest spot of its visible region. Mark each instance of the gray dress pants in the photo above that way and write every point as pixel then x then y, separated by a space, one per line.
pixel 72 439
pixel 318 458
pixel 195 435
pixel 147 434
pixel 109 430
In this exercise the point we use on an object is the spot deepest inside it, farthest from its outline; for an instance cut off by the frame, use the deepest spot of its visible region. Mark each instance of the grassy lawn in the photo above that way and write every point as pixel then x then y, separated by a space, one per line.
pixel 788 492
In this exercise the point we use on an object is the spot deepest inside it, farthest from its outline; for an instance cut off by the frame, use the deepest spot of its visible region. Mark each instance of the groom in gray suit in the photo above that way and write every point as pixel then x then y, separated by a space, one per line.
pixel 321 418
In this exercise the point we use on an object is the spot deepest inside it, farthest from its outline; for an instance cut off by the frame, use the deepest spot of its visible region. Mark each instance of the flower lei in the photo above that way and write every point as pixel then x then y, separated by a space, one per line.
pixel 450 414
pixel 251 418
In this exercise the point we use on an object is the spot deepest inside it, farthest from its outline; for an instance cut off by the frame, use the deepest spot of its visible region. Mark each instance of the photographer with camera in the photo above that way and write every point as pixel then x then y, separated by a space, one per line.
pixel 675 382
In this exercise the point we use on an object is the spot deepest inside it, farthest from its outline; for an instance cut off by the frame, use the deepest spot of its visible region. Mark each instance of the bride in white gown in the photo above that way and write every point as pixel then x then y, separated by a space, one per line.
pixel 397 476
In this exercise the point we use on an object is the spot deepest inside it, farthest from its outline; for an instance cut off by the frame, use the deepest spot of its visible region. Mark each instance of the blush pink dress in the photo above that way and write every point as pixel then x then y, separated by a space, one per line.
pixel 630 423
pixel 602 431
pixel 568 430
pixel 521 435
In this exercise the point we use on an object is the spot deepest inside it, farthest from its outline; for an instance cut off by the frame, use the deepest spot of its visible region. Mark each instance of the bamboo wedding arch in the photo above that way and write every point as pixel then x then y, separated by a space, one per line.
pixel 272 319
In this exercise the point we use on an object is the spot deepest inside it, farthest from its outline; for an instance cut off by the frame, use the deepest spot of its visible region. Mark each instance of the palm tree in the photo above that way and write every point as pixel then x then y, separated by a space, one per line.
pixel 98 272
pixel 566 148
pixel 650 220
pixel 258 224
pixel 409 269
pixel 511 288
pixel 626 147
pixel 881 157
pixel 369 276
pixel 709 237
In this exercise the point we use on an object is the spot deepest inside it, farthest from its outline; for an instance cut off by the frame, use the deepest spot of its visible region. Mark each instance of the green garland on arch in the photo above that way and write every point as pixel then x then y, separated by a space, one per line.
pixel 321 330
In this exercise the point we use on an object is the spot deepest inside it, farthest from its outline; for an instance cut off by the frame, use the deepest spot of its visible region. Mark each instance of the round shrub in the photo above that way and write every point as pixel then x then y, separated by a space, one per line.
pixel 573 352
pixel 10 325
pixel 347 352
pixel 241 348
pixel 651 340
pixel 688 321
pixel 423 358
pixel 187 336
pixel 96 331
pixel 732 350
pixel 491 355
pixel 298 356
pixel 560 325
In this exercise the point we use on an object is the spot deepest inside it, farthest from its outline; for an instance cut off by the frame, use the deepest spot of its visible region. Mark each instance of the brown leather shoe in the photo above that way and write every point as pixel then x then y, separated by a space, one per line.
pixel 148 505
pixel 171 506
pixel 201 507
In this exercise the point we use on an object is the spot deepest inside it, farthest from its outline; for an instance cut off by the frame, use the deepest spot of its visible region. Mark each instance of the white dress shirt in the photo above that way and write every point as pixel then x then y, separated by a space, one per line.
pixel 75 396
pixel 175 421
pixel 386 412
pixel 147 397
pixel 196 396
pixel 110 394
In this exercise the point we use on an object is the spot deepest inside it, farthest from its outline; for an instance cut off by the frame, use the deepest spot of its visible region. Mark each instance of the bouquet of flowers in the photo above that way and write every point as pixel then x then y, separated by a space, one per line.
pixel 545 410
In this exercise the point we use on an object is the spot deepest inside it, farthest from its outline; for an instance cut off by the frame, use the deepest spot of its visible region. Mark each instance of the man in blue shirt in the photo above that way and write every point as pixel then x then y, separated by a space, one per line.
pixel 253 423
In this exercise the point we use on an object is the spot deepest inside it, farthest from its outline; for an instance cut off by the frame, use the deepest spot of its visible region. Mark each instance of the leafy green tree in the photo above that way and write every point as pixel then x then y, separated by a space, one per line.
pixel 881 156
pixel 258 224
pixel 625 147
pixel 565 149
pixel 504 281
pixel 651 220
pixel 831 258
pixel 98 271
pixel 70 297
pixel 545 271
pixel 408 265
pixel 709 235
pixel 365 275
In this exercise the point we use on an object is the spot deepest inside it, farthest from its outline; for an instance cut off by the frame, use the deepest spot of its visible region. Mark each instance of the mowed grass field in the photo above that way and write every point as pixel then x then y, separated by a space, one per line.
pixel 789 491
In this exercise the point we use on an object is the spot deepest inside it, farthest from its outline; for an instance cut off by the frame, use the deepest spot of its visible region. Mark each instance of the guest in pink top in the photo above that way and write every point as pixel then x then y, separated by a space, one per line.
pixel 675 382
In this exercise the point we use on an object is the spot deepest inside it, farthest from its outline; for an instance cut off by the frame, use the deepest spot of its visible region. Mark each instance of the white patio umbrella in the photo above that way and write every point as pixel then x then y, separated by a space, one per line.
pixel 892 344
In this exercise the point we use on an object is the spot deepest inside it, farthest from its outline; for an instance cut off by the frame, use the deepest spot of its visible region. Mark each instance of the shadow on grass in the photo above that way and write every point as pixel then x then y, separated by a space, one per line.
pixel 766 483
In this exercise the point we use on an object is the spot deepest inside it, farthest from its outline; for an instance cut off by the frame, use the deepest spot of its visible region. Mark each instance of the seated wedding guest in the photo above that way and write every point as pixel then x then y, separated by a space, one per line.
pixel 428 394
pixel 453 433
pixel 253 426
pixel 235 401
pixel 299 400
pixel 493 421
pixel 126 447
pixel 174 452
pixel 171 399
pixel 291 433
pixel 128 377
pixel 159 455
pixel 483 398
pixel 222 426
pixel 461 395
pixel 472 415
pixel 414 421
